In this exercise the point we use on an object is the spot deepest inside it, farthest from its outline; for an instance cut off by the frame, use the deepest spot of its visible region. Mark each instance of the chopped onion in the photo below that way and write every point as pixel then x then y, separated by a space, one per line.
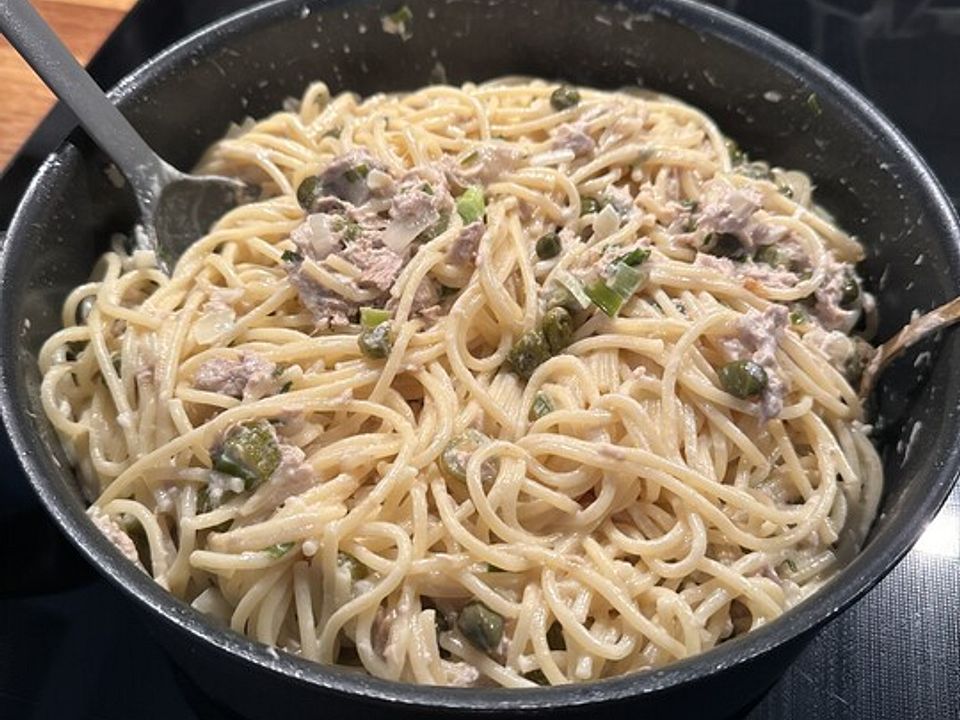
pixel 213 325
pixel 144 259
pixel 798 184
pixel 321 239
pixel 607 222
pixel 575 287
pixel 401 232
pixel 211 602
pixel 378 180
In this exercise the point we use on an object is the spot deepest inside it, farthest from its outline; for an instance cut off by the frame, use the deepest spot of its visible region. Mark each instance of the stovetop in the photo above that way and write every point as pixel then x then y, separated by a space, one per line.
pixel 71 646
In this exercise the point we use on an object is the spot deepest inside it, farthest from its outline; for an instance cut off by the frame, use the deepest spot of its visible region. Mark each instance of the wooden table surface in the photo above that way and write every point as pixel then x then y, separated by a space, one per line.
pixel 83 25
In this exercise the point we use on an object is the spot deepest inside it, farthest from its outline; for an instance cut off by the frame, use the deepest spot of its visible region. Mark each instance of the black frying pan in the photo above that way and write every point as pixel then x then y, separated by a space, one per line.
pixel 777 102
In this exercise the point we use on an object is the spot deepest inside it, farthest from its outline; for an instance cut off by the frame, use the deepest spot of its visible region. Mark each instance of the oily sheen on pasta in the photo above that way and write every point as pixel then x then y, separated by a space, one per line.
pixel 500 385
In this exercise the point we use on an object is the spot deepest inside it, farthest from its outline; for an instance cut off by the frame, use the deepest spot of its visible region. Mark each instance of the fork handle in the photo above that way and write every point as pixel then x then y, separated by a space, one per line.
pixel 46 54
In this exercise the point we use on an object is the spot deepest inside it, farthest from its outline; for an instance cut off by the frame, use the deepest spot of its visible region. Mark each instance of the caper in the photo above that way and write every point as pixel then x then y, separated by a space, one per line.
pixel 768 254
pixel 537 677
pixel 564 97
pixel 308 191
pixel 555 639
pixel 743 378
pixel 725 245
pixel 589 206
pixel 376 342
pixel 548 246
pixel 849 290
pixel 250 452
pixel 557 329
pixel 528 353
pixel 481 626
pixel 455 456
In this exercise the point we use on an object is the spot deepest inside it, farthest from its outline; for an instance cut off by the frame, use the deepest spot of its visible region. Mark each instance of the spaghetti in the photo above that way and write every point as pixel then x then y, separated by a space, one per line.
pixel 507 384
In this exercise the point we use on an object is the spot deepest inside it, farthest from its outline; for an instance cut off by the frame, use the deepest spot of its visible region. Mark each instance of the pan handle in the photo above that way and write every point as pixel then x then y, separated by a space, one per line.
pixel 52 61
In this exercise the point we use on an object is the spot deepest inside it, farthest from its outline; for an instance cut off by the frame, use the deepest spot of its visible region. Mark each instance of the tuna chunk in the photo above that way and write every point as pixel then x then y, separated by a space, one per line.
pixel 357 236
pixel 330 205
pixel 760 332
pixel 293 476
pixel 792 254
pixel 464 248
pixel 830 313
pixel 427 295
pixel 328 309
pixel 114 533
pixel 493 159
pixel 758 335
pixel 726 209
pixel 771 277
pixel 323 234
pixel 250 378
pixel 414 212
pixel 572 136
pixel 497 160
pixel 315 238
pixel 378 265
pixel 415 207
pixel 346 177
pixel 722 265
pixel 762 233
pixel 433 176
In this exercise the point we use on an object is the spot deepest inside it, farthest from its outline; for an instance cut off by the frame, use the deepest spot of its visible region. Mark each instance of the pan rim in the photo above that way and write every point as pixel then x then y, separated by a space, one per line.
pixel 861 575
